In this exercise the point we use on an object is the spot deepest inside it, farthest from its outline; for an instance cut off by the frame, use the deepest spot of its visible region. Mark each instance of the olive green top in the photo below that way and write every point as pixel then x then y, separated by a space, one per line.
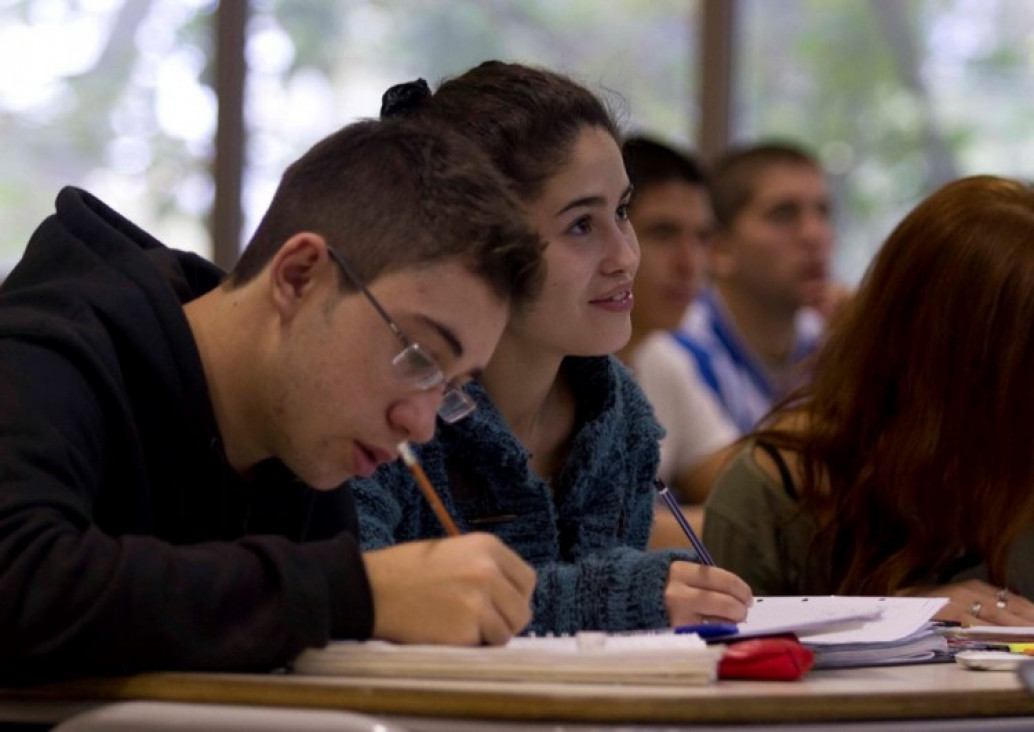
pixel 754 528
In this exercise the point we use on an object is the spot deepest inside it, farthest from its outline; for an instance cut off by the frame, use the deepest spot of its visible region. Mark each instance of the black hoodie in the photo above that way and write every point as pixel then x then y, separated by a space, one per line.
pixel 126 541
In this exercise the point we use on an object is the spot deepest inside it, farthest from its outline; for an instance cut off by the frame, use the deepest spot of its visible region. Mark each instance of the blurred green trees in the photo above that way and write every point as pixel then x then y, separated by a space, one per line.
pixel 896 96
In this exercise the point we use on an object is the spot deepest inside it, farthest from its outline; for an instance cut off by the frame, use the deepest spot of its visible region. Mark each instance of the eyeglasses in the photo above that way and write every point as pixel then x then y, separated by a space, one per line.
pixel 413 364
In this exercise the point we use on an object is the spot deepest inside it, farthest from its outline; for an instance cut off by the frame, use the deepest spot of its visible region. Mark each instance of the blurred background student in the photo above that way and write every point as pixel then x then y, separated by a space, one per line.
pixel 671 213
pixel 906 466
pixel 560 455
pixel 769 278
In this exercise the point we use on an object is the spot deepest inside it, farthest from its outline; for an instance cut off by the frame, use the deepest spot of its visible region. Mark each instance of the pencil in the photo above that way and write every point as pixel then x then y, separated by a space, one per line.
pixel 673 506
pixel 409 458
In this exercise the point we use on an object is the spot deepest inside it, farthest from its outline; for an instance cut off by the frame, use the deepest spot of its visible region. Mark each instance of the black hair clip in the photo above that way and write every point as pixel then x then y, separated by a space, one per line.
pixel 402 99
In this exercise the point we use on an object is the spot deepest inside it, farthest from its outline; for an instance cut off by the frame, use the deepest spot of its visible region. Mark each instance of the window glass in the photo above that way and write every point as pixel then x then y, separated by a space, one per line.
pixel 896 97
pixel 317 64
pixel 110 96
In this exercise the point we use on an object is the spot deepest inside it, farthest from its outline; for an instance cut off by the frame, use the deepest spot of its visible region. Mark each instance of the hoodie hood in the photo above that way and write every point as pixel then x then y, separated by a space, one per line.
pixel 87 255
pixel 109 297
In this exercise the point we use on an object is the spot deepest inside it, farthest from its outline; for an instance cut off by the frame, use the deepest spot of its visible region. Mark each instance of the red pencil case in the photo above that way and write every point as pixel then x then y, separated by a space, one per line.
pixel 778 659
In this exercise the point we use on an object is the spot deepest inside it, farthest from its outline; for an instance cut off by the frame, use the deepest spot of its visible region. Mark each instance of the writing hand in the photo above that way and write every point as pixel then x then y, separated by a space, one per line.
pixel 465 590
pixel 696 593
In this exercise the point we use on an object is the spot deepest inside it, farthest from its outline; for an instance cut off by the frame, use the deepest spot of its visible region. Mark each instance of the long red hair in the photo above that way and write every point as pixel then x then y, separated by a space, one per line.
pixel 919 442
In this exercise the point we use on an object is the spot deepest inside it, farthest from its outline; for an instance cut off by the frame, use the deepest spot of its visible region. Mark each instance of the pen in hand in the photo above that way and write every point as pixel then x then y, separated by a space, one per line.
pixel 409 458
pixel 673 506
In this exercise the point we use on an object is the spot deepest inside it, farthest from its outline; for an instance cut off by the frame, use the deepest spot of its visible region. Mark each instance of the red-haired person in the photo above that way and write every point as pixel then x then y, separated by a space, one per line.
pixel 905 467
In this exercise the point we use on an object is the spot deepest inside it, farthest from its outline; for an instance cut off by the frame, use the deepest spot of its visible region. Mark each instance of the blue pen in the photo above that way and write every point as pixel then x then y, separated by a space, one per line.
pixel 673 506
pixel 708 630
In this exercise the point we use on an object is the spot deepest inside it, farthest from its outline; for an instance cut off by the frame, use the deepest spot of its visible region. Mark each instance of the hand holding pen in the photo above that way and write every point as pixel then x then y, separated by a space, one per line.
pixel 700 592
pixel 459 590
pixel 680 518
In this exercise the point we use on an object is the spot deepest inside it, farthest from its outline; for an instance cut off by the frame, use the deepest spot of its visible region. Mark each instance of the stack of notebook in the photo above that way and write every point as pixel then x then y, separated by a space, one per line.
pixel 842 631
pixel 846 631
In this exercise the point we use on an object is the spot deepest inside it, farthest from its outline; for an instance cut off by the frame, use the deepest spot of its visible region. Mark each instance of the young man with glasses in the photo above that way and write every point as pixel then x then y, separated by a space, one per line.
pixel 170 437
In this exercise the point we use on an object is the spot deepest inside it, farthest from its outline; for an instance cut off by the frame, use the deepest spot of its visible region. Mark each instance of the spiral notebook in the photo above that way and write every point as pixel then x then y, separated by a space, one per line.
pixel 583 658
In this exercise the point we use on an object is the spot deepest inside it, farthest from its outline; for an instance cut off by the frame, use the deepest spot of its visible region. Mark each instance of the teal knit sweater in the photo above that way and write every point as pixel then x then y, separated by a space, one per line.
pixel 586 539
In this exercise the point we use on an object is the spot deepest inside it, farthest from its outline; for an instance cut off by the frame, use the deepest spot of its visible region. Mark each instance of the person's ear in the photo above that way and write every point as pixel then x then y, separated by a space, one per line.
pixel 297 270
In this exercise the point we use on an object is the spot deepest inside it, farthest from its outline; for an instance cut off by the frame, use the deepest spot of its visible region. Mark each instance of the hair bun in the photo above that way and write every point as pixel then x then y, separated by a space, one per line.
pixel 402 99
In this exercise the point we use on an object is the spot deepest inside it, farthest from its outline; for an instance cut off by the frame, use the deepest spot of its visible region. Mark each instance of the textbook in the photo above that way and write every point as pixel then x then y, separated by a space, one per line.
pixel 588 657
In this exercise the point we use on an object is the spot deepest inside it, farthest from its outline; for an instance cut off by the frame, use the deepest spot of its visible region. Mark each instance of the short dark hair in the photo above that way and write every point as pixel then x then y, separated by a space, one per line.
pixel 650 162
pixel 525 118
pixel 393 194
pixel 734 174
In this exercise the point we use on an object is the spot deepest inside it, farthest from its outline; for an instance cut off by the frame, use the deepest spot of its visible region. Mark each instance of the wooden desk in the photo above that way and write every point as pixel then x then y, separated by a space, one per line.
pixel 937 691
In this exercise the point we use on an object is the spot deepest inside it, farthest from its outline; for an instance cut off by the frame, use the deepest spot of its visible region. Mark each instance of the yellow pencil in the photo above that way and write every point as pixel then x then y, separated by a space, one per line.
pixel 409 458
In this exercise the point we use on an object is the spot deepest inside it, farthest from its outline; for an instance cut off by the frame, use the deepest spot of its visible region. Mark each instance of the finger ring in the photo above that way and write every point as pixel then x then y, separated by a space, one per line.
pixel 975 608
pixel 1001 597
